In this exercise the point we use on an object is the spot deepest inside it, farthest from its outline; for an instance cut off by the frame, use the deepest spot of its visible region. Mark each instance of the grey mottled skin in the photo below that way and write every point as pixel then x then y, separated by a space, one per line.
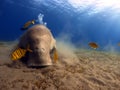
pixel 41 42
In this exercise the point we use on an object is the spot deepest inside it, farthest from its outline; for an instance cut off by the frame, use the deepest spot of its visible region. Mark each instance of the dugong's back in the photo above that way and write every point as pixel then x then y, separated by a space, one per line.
pixel 39 30
pixel 36 32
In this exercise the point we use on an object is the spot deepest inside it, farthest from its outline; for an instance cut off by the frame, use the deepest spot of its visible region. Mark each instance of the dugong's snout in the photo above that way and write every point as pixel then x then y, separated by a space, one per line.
pixel 40 55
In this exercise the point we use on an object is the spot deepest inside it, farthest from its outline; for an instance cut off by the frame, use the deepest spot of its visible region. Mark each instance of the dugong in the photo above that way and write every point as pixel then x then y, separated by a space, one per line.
pixel 41 42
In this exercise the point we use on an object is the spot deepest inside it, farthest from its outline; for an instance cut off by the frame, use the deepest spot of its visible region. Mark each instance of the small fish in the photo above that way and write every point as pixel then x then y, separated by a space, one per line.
pixel 55 56
pixel 27 24
pixel 19 53
pixel 93 45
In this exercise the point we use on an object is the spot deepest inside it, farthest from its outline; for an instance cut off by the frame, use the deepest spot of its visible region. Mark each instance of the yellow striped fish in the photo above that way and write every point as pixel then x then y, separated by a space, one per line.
pixel 55 56
pixel 19 53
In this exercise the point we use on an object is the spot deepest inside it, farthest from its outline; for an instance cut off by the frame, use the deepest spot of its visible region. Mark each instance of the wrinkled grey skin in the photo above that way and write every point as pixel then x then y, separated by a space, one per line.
pixel 41 43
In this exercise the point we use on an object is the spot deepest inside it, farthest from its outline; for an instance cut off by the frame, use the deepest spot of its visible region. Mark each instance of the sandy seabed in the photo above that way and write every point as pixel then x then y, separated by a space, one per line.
pixel 79 70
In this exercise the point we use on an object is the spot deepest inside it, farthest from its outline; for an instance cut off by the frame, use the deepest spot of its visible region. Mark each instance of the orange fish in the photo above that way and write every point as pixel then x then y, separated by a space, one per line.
pixel 55 56
pixel 27 24
pixel 93 45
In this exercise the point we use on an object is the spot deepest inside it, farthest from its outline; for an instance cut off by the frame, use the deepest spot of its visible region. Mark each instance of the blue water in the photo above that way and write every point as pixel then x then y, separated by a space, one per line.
pixel 80 22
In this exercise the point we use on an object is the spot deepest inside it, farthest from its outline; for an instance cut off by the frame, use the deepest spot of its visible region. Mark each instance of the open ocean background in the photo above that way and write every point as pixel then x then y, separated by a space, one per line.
pixel 76 21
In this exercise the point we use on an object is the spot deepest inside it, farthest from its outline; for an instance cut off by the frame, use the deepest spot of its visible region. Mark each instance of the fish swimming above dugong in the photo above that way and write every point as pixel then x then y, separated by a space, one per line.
pixel 42 45
pixel 27 24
